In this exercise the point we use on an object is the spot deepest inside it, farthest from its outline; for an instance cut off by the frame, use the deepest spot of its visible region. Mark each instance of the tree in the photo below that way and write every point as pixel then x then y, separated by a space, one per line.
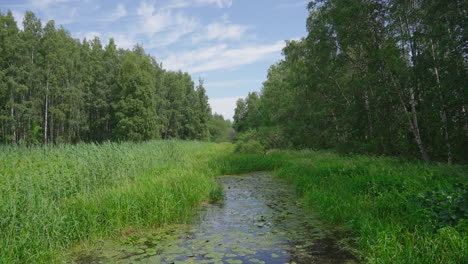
pixel 135 114
pixel 203 113
pixel 56 89
pixel 380 77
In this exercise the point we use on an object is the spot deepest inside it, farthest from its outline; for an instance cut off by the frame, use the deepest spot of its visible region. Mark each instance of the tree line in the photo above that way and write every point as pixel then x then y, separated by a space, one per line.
pixel 382 77
pixel 57 89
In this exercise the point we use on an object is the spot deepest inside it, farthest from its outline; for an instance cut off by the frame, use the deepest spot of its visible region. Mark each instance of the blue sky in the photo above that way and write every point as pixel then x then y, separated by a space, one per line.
pixel 228 43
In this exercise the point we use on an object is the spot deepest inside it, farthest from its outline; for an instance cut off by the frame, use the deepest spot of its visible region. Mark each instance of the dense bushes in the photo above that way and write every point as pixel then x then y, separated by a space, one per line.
pixel 259 140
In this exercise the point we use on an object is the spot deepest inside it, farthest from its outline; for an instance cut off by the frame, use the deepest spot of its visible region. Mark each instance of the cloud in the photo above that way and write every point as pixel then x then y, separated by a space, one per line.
pixel 219 3
pixel 88 35
pixel 43 4
pixel 292 5
pixel 62 16
pixel 224 106
pixel 220 31
pixel 234 83
pixel 174 34
pixel 152 23
pixel 19 17
pixel 173 24
pixel 220 57
pixel 120 11
pixel 123 40
pixel 188 3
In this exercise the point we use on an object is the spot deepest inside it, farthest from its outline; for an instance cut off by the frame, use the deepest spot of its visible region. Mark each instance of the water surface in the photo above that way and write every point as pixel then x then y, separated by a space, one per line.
pixel 259 221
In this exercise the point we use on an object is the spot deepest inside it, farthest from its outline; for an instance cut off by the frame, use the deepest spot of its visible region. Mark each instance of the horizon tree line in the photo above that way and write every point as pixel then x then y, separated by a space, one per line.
pixel 57 89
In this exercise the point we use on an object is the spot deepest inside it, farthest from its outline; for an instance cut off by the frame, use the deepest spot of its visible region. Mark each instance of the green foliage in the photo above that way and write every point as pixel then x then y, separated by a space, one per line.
pixel 247 143
pixel 220 130
pixel 274 137
pixel 135 115
pixel 82 91
pixel 250 146
pixel 217 193
pixel 376 199
pixel 441 208
pixel 247 114
pixel 375 77
pixel 36 135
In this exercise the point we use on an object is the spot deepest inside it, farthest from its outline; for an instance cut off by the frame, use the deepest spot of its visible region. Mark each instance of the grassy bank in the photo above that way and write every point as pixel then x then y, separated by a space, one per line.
pixel 397 211
pixel 52 197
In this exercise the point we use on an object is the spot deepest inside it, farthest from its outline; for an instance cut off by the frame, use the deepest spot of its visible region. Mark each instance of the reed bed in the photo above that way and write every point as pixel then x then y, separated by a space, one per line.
pixel 53 196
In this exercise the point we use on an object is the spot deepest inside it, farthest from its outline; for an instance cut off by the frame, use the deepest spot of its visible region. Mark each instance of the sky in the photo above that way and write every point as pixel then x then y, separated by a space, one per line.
pixel 230 44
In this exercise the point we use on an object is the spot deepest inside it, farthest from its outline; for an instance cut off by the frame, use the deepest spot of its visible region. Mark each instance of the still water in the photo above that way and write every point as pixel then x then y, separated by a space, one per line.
pixel 260 220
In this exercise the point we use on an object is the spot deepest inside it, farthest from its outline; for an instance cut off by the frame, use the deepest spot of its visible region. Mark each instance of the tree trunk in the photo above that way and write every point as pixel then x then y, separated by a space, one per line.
pixel 369 115
pixel 443 111
pixel 3 131
pixel 46 110
pixel 12 112
pixel 412 117
pixel 413 121
pixel 51 130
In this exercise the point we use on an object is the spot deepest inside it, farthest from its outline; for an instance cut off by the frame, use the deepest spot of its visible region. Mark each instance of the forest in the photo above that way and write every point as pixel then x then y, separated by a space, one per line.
pixel 374 77
pixel 57 89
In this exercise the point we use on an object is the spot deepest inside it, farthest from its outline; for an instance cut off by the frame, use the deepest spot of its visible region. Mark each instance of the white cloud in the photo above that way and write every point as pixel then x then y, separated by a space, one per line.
pixel 220 57
pixel 235 83
pixel 187 3
pixel 19 17
pixel 219 3
pixel 224 106
pixel 42 4
pixel 58 10
pixel 123 40
pixel 152 23
pixel 120 11
pixel 173 35
pixel 177 4
pixel 220 31
pixel 88 35
pixel 174 25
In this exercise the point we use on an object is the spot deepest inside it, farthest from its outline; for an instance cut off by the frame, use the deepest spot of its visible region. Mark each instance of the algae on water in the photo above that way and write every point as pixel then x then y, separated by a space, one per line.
pixel 258 221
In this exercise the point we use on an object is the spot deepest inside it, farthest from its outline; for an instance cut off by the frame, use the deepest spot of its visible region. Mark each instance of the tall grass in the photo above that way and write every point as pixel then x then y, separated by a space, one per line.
pixel 52 197
pixel 378 201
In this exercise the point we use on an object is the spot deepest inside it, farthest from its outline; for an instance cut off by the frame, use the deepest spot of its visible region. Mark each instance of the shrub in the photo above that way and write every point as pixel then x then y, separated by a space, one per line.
pixel 441 208
pixel 250 146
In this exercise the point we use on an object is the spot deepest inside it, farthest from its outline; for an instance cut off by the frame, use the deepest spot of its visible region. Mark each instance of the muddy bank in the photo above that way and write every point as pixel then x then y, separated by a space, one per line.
pixel 258 221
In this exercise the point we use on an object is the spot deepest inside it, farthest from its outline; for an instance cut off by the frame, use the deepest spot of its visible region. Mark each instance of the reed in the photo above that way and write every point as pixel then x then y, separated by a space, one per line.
pixel 53 196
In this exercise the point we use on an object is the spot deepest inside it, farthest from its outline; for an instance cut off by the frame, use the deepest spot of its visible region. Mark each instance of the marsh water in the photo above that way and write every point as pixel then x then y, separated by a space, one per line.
pixel 260 220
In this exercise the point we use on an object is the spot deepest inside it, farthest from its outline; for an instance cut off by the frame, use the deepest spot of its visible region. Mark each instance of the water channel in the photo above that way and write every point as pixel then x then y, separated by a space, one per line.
pixel 260 220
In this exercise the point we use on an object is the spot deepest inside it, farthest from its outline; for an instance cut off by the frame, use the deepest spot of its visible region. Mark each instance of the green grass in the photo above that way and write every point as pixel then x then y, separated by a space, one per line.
pixel 378 202
pixel 52 198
